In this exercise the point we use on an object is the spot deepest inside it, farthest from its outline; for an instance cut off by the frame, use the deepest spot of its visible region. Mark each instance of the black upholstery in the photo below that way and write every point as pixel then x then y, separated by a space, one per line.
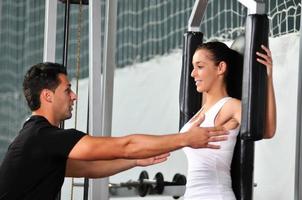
pixel 189 98
pixel 254 79
pixel 253 105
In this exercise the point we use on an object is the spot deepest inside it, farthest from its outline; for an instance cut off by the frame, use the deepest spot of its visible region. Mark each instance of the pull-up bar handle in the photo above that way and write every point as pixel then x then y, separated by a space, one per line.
pixel 197 15
pixel 254 6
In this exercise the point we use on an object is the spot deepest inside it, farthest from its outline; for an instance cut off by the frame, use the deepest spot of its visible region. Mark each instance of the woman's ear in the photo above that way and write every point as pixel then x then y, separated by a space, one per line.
pixel 222 67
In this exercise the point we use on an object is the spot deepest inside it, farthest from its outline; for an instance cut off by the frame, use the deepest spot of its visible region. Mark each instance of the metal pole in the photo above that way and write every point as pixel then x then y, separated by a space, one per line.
pixel 298 171
pixel 86 180
pixel 66 41
pixel 254 6
pixel 50 27
pixel 109 65
pixel 96 186
pixel 101 81
pixel 66 33
pixel 197 14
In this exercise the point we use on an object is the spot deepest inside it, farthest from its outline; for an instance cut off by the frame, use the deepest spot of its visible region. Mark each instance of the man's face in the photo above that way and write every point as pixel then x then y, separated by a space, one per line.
pixel 63 99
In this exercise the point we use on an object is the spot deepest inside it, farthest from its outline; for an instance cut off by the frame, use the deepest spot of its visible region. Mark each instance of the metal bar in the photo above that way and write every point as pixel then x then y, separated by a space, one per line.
pixel 95 80
pixel 118 192
pixel 197 14
pixel 50 27
pixel 86 180
pixel 84 2
pixel 107 86
pixel 254 6
pixel 101 99
pixel 109 65
pixel 66 33
pixel 298 167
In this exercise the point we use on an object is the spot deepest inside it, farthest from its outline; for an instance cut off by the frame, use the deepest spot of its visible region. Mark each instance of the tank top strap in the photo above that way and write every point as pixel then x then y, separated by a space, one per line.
pixel 217 106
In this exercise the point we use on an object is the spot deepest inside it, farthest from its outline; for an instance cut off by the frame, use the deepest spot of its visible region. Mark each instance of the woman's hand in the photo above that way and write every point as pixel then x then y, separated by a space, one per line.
pixel 266 59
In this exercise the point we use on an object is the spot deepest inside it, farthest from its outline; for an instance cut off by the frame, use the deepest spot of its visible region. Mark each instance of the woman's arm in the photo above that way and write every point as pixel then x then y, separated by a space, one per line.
pixel 266 59
pixel 229 116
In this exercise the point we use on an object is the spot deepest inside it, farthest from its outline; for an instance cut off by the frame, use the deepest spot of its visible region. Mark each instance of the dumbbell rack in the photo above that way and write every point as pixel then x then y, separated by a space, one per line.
pixel 145 186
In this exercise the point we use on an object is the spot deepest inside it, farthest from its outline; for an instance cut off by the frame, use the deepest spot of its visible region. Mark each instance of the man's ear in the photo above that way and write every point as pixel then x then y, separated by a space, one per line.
pixel 46 95
pixel 222 67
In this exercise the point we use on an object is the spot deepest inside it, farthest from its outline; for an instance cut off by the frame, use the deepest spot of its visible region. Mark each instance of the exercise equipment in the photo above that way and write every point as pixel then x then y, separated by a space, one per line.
pixel 179 179
pixel 189 98
pixel 145 186
pixel 253 105
pixel 84 2
pixel 254 85
pixel 253 90
pixel 78 61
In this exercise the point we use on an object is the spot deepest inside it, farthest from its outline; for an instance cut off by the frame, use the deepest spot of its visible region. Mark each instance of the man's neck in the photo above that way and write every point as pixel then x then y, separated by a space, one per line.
pixel 50 118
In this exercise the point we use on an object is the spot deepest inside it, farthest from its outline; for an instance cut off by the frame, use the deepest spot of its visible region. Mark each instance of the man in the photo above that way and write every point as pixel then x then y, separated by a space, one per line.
pixel 43 154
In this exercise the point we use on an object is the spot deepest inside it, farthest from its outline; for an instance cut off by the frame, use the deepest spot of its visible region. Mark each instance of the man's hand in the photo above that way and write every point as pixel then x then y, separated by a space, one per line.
pixel 199 137
pixel 152 160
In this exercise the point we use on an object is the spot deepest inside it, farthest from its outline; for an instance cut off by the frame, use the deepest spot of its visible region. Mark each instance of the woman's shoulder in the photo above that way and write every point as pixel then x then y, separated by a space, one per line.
pixel 230 110
pixel 233 103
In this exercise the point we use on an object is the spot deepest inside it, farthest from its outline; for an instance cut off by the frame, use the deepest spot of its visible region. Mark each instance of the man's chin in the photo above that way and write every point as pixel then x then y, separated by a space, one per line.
pixel 68 116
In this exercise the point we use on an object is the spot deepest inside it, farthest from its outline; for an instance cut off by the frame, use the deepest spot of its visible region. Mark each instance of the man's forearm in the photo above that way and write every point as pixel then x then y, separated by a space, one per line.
pixel 128 147
pixel 97 169
pixel 144 146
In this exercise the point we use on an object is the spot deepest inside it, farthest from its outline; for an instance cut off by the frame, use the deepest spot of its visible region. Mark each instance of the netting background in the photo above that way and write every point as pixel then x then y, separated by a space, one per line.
pixel 145 28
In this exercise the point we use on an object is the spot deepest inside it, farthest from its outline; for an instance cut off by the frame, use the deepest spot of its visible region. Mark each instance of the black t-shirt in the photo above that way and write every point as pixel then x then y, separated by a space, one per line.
pixel 34 165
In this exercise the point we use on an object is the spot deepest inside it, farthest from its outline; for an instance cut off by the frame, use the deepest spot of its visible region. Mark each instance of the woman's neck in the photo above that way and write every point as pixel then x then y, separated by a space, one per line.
pixel 210 98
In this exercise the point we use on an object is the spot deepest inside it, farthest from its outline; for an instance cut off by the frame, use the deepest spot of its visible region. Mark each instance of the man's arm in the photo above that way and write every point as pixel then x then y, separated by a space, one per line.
pixel 144 146
pixel 104 168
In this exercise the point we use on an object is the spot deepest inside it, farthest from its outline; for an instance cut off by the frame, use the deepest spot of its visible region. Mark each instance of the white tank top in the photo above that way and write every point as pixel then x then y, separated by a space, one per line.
pixel 208 176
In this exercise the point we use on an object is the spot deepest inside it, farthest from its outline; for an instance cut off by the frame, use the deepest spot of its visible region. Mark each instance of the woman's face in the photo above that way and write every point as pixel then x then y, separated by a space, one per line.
pixel 205 71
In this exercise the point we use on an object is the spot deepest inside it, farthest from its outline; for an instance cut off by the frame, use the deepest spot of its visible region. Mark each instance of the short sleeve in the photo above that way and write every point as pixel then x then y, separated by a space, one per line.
pixel 59 142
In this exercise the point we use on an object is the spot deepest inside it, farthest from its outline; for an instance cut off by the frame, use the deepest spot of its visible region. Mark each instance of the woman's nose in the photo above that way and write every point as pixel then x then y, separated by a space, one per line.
pixel 193 73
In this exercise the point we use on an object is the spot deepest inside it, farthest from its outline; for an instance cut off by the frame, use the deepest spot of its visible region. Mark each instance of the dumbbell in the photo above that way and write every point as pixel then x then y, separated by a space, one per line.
pixel 156 186
pixel 179 179
pixel 144 184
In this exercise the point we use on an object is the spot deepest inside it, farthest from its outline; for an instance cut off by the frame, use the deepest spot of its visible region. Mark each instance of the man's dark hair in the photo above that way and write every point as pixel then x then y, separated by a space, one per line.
pixel 38 77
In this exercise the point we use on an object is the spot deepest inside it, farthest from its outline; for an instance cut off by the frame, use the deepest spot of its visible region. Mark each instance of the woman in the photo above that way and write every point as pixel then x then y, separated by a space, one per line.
pixel 215 70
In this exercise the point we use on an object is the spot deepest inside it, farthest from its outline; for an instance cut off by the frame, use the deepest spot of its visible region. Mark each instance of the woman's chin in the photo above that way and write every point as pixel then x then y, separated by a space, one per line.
pixel 200 90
